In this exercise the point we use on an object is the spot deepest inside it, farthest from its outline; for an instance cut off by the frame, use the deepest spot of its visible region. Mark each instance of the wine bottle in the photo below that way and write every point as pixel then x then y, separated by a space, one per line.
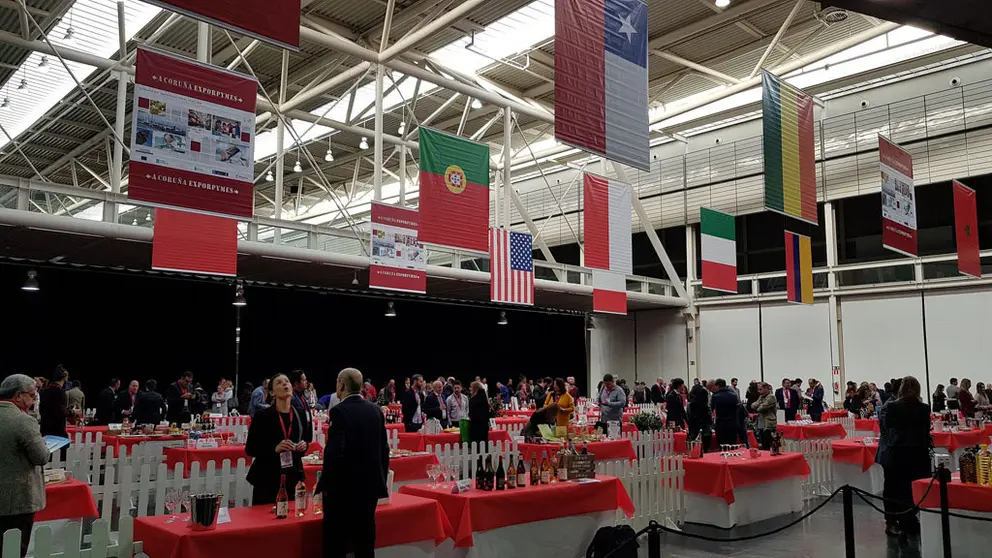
pixel 479 475
pixel 300 500
pixel 318 497
pixel 490 473
pixel 535 470
pixel 545 469
pixel 521 472
pixel 553 468
pixel 563 465
pixel 282 500
pixel 500 475
pixel 511 475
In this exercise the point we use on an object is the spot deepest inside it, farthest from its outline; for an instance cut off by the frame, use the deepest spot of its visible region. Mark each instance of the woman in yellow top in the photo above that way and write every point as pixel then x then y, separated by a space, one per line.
pixel 559 396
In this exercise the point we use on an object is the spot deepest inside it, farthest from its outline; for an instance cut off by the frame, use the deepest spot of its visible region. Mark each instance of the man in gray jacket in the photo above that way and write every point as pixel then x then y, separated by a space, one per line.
pixel 767 408
pixel 612 400
pixel 22 486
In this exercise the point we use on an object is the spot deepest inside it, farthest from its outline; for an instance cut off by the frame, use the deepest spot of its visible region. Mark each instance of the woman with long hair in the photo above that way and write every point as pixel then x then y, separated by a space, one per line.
pixel 906 431
pixel 939 399
pixel 277 441
pixel 559 397
pixel 866 402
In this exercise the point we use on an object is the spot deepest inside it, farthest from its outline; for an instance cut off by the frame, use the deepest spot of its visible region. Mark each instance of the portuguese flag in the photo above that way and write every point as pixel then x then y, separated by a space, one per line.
pixel 719 250
pixel 454 191
pixel 790 157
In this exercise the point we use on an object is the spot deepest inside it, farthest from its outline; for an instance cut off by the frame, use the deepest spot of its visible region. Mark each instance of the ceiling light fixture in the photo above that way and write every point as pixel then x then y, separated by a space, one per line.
pixel 402 129
pixel 722 3
pixel 148 216
pixel 590 324
pixel 329 156
pixel 43 66
pixel 269 177
pixel 390 310
pixel 5 104
pixel 477 104
pixel 297 167
pixel 239 296
pixel 134 221
pixel 23 86
pixel 354 280
pixel 364 144
pixel 31 283
pixel 502 318
pixel 70 34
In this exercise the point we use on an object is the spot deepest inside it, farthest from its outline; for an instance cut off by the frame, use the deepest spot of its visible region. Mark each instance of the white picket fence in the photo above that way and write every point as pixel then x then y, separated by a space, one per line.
pixel 819 455
pixel 848 424
pixel 655 486
pixel 102 545
pixel 462 457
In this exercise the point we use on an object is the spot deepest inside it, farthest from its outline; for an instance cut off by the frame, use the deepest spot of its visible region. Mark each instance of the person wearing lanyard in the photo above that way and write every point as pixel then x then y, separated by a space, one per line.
pixel 299 381
pixel 178 398
pixel 277 440
pixel 457 404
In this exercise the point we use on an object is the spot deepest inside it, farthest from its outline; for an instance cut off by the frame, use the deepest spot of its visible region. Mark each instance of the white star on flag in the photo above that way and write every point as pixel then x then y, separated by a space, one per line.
pixel 627 28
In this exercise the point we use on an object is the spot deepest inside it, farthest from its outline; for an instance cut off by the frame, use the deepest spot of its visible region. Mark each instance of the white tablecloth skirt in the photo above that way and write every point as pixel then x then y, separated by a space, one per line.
pixel 753 503
pixel 871 480
pixel 865 434
pixel 422 549
pixel 969 539
pixel 564 537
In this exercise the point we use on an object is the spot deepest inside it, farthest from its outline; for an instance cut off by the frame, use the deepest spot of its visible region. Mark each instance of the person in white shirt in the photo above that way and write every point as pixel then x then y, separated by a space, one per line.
pixel 457 404
pixel 220 398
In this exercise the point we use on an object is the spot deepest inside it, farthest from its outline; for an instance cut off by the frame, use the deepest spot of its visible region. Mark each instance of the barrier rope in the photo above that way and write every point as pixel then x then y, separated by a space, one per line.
pixel 916 507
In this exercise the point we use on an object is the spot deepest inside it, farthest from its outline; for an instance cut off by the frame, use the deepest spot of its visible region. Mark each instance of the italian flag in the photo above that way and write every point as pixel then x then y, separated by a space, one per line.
pixel 719 250
pixel 454 191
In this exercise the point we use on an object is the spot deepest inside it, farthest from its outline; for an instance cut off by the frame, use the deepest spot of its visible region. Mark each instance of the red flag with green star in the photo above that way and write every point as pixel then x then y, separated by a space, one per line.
pixel 454 191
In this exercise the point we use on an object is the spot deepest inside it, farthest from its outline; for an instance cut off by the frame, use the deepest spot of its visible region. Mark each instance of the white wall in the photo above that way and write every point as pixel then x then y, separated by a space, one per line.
pixel 661 345
pixel 883 338
pixel 611 349
pixel 729 343
pixel 958 326
pixel 795 340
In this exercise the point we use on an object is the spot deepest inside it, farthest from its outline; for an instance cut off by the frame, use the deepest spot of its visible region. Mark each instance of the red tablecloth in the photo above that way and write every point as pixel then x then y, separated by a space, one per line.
pixel 396 426
pixel 715 476
pixel 509 421
pixel 960 496
pixel 525 413
pixel 242 419
pixel 866 425
pixel 395 407
pixel 415 441
pixel 593 417
pixel 855 452
pixel 72 430
pixel 625 427
pixel 812 431
pixel 680 437
pixel 405 469
pixel 607 449
pixel 67 500
pixel 255 531
pixel 955 440
pixel 833 414
pixel 478 510
pixel 189 456
pixel 117 442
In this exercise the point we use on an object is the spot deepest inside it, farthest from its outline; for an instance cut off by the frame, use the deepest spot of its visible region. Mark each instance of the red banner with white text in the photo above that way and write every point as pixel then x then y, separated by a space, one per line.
pixel 192 137
pixel 276 22
pixel 966 230
pixel 398 258
pixel 898 198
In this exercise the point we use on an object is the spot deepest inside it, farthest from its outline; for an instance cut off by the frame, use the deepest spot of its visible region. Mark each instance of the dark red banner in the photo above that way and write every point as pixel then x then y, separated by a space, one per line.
pixel 273 21
pixel 898 198
pixel 966 230
pixel 397 261
pixel 195 243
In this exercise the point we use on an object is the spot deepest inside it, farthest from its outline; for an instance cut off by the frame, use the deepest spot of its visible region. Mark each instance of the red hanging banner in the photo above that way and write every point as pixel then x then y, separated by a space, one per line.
pixel 966 230
pixel 194 243
pixel 898 198
pixel 398 259
pixel 192 136
pixel 275 22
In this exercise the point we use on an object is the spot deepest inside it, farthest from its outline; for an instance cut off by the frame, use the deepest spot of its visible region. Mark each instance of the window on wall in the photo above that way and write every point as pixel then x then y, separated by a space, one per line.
pixel 646 262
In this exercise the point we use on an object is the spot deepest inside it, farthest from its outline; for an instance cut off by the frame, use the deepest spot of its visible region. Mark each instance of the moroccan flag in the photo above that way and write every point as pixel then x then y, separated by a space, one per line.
pixel 194 243
pixel 719 253
pixel 454 191
pixel 966 230
pixel 798 268
pixel 607 234
pixel 790 159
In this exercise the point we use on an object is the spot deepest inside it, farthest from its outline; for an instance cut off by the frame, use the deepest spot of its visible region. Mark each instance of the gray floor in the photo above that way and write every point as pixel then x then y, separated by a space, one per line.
pixel 820 536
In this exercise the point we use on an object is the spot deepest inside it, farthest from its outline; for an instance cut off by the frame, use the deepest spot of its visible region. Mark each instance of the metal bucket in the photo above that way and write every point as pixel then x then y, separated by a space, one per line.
pixel 203 511
pixel 694 449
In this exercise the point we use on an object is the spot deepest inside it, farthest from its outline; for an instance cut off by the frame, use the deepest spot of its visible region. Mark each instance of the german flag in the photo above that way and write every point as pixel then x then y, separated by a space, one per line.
pixel 454 191
pixel 798 268
pixel 790 157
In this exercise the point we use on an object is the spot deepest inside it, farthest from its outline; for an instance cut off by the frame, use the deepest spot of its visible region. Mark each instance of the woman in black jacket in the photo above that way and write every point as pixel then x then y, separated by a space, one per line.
pixel 53 404
pixel 478 414
pixel 939 399
pixel 275 432
pixel 906 432
pixel 673 405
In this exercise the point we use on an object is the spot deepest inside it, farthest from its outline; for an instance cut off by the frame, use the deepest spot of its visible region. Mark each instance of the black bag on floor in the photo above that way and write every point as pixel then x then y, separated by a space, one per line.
pixel 608 539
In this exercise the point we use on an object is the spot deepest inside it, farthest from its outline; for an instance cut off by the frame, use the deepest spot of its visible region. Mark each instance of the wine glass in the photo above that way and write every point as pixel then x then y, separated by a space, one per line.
pixel 184 501
pixel 432 474
pixel 171 499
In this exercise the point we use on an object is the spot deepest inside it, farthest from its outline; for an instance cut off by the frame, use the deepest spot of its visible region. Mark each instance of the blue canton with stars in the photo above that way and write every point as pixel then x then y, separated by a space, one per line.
pixel 626 26
pixel 521 248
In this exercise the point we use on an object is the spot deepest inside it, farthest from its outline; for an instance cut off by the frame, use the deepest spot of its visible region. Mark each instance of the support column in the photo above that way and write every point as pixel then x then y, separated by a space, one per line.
pixel 377 147
pixel 117 163
pixel 833 302
pixel 507 157
pixel 280 147
pixel 204 45
pixel 403 175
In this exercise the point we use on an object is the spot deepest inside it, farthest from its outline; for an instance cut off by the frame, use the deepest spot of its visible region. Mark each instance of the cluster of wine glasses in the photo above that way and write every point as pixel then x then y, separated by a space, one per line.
pixel 177 498
pixel 732 451
pixel 443 473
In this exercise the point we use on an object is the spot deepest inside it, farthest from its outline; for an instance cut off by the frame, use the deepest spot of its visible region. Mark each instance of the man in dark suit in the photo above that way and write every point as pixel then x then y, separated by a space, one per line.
pixel 105 403
pixel 148 405
pixel 787 399
pixel 356 464
pixel 434 406
pixel 725 404
pixel 299 380
pixel 124 406
pixel 180 396
pixel 413 400
pixel 658 391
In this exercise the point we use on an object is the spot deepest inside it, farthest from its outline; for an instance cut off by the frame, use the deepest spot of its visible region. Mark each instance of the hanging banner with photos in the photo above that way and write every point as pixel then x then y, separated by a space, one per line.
pixel 898 198
pixel 398 259
pixel 276 22
pixel 192 136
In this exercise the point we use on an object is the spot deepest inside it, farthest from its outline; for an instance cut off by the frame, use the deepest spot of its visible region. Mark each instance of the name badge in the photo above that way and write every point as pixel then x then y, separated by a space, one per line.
pixel 286 460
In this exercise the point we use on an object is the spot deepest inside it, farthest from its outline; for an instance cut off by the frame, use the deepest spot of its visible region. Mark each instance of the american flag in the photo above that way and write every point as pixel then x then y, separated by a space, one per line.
pixel 512 266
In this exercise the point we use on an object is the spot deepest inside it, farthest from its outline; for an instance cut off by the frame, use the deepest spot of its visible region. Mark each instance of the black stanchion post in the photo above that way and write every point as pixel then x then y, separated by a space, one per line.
pixel 849 521
pixel 944 476
pixel 654 543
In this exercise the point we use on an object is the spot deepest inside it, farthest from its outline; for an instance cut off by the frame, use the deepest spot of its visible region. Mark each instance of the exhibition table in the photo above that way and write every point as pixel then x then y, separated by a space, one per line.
pixel 128 442
pixel 680 439
pixel 398 427
pixel 812 431
pixel 866 427
pixel 854 464
pixel 407 526
pixel 738 491
pixel 969 538
pixel 415 441
pixel 93 430
pixel 557 519
pixel 406 469
pixel 522 413
pixel 71 499
pixel 827 415
pixel 603 451
pixel 232 452
pixel 954 443
pixel 511 421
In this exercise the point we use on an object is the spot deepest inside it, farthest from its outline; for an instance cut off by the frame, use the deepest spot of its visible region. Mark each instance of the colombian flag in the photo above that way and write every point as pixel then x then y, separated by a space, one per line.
pixel 798 268
pixel 790 158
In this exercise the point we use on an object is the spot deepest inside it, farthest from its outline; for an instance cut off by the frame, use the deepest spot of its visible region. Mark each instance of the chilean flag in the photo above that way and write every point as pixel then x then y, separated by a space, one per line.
pixel 607 233
pixel 601 78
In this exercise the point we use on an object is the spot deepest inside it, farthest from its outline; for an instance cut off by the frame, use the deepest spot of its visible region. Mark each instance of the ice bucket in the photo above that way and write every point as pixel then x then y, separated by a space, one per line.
pixel 203 511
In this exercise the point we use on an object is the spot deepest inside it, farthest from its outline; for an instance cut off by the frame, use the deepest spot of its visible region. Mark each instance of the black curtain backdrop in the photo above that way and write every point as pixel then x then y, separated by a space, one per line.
pixel 136 326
